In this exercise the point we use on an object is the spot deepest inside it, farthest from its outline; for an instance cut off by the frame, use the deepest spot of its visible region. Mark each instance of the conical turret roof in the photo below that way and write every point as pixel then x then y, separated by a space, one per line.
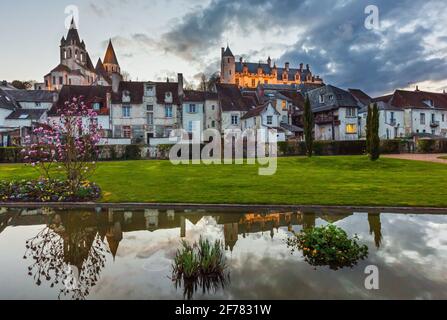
pixel 110 57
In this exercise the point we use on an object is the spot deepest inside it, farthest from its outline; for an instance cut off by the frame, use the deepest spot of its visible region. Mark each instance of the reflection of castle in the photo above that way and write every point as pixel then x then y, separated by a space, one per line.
pixel 81 228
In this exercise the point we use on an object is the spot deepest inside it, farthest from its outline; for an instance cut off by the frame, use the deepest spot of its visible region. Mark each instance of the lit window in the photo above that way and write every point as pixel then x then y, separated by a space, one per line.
pixel 351 128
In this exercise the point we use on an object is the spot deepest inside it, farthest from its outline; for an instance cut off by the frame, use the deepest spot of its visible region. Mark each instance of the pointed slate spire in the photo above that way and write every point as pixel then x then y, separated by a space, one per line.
pixel 228 52
pixel 110 57
pixel 73 23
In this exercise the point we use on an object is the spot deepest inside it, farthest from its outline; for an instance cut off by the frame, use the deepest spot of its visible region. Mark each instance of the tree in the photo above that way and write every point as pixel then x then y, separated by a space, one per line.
pixel 368 131
pixel 22 85
pixel 68 144
pixel 309 123
pixel 374 134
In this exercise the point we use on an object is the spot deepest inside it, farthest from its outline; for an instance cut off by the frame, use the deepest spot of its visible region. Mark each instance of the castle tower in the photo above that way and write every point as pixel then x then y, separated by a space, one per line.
pixel 228 67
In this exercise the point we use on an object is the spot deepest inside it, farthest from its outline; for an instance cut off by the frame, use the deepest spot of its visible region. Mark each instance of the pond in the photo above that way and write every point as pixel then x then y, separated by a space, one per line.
pixel 128 254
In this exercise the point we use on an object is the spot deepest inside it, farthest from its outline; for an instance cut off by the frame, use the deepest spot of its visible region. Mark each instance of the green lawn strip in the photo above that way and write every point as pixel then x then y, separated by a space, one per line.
pixel 343 180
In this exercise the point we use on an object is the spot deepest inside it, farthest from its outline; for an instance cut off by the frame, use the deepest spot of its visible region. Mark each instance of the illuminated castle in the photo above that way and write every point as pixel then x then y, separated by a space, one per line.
pixel 249 74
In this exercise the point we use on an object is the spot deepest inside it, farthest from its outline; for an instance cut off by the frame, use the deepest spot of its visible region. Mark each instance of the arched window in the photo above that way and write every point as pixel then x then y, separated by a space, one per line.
pixel 76 54
pixel 69 53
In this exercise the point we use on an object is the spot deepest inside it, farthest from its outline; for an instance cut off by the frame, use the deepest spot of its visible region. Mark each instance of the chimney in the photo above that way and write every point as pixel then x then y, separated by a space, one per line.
pixel 287 66
pixel 4 83
pixel 180 85
pixel 240 60
pixel 417 89
pixel 307 67
pixel 269 61
pixel 301 67
pixel 222 53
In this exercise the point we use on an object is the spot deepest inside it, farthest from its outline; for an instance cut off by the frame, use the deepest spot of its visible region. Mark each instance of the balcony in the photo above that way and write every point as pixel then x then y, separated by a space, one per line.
pixel 321 120
pixel 434 124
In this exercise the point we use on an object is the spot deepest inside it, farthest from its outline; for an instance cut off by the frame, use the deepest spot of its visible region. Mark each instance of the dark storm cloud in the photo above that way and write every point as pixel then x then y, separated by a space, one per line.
pixel 333 38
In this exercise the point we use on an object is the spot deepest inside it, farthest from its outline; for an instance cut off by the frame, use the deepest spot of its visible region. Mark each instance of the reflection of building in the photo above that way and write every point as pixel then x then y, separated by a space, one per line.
pixel 112 223
pixel 231 235
pixel 375 226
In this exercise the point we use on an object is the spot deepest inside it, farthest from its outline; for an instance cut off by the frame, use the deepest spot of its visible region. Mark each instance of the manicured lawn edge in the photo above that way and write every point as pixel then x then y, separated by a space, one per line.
pixel 322 181
pixel 228 207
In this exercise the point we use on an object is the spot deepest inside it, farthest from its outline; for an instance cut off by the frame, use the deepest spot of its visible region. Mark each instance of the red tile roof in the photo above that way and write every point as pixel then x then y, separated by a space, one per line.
pixel 90 94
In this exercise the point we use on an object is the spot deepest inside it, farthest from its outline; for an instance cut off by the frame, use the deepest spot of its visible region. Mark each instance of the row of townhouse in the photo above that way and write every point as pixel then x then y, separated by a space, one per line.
pixel 147 112
pixel 409 113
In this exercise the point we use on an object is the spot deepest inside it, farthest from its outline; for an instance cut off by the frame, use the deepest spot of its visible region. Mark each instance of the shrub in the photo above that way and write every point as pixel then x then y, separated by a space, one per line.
pixel 391 146
pixel 202 264
pixel 47 191
pixel 328 246
pixel 132 152
pixel 426 145
pixel 10 155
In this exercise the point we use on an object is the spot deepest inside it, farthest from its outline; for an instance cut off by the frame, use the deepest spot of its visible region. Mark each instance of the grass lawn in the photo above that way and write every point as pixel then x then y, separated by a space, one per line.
pixel 347 180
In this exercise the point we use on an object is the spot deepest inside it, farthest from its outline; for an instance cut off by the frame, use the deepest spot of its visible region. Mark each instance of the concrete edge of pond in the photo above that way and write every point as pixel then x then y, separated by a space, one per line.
pixel 228 207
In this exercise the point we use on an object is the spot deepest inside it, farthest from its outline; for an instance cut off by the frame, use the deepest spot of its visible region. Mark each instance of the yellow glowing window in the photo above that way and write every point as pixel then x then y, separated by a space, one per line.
pixel 284 105
pixel 351 128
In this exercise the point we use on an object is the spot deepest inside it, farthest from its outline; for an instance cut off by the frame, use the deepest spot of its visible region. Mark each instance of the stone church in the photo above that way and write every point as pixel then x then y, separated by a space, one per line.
pixel 250 75
pixel 76 67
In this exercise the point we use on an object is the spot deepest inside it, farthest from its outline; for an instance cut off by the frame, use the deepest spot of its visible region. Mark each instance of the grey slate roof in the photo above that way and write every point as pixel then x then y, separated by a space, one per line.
pixel 291 127
pixel 31 114
pixel 6 101
pixel 32 95
pixel 334 98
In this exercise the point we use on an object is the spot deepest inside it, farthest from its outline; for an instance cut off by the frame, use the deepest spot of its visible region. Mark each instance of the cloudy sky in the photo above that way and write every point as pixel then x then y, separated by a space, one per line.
pixel 158 38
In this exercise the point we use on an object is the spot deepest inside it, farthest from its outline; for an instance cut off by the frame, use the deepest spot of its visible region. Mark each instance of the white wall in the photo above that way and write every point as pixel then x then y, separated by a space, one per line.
pixel 226 120
pixel 197 116
pixel 212 115
pixel 3 114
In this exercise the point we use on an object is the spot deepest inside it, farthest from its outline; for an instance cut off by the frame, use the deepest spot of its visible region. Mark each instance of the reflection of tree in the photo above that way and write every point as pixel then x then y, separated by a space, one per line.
pixel 71 255
pixel 375 226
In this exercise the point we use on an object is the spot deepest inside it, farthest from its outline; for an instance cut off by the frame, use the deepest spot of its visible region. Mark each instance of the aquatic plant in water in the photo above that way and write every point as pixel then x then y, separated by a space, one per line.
pixel 328 246
pixel 202 264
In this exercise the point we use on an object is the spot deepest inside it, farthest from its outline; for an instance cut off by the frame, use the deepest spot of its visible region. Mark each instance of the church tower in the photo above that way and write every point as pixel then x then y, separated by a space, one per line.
pixel 228 67
pixel 72 50
pixel 112 66
pixel 110 61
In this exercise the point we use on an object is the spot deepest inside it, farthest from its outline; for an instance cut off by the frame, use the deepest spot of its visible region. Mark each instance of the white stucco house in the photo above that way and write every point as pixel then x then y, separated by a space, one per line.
pixel 264 117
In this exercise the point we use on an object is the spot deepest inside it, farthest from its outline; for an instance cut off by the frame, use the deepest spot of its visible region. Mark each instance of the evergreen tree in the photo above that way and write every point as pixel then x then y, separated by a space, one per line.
pixel 368 130
pixel 309 123
pixel 374 139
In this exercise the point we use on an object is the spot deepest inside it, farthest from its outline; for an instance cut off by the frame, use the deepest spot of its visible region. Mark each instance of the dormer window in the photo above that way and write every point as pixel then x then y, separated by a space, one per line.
pixel 149 90
pixel 126 96
pixel 430 103
pixel 96 106
pixel 168 97
pixel 321 98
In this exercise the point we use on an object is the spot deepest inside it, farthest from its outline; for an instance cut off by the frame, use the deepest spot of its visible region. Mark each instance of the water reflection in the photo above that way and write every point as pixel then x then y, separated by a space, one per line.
pixel 128 253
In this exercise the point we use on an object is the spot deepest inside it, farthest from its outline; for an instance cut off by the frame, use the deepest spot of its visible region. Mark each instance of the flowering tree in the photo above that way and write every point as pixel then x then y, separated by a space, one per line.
pixel 67 144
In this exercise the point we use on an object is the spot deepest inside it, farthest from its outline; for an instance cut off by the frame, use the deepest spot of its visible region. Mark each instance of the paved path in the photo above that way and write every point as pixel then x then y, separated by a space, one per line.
pixel 419 157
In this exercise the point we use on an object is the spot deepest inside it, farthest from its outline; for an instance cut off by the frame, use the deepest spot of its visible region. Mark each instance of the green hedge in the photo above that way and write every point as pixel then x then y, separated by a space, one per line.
pixel 10 154
pixel 133 152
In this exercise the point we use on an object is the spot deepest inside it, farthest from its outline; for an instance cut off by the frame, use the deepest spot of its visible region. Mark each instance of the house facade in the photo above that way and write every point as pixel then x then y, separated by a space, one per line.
pixel 336 114
pixel 406 113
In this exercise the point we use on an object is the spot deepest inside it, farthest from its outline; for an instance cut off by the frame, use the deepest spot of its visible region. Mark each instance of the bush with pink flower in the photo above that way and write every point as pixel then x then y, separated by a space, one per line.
pixel 65 147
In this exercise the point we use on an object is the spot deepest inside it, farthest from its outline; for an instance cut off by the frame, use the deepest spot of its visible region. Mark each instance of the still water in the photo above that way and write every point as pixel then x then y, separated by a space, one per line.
pixel 128 254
